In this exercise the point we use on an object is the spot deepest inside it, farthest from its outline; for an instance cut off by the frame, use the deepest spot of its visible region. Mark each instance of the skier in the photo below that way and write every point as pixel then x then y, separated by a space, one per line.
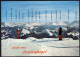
pixel 60 33
pixel 18 33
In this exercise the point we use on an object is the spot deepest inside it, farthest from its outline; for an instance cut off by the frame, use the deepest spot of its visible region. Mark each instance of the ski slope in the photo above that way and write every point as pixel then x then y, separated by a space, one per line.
pixel 52 46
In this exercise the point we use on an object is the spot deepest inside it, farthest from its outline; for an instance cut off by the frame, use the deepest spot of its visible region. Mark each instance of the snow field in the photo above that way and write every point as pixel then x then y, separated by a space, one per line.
pixel 52 46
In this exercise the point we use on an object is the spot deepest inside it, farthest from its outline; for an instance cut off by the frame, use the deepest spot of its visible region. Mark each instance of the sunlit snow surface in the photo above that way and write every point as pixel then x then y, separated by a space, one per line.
pixel 54 47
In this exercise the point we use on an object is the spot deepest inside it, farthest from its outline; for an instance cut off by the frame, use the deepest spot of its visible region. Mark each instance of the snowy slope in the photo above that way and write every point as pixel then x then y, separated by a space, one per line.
pixel 24 31
pixel 53 47
pixel 47 31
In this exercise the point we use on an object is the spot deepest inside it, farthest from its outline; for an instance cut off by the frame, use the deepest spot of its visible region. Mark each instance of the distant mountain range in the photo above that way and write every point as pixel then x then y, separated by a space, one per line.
pixel 39 30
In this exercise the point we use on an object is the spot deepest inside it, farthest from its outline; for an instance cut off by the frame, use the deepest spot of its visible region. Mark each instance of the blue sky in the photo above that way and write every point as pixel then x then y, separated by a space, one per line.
pixel 24 6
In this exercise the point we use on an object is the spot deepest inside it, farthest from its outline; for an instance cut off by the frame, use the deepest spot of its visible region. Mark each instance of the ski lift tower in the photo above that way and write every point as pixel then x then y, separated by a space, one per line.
pixel 76 15
pixel 36 15
pixel 60 15
pixel 22 16
pixel 68 15
pixel 46 15
pixel 32 15
pixel 28 15
pixel 51 16
pixel 56 16
pixel 6 15
pixel 68 20
pixel 39 16
pixel 16 15
pixel 56 22
pixel 11 14
pixel 76 22
pixel 19 17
